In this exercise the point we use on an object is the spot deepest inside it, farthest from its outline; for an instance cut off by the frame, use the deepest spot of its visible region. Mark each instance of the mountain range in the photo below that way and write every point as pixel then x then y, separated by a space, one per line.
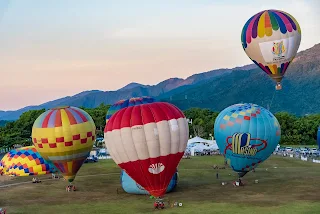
pixel 217 89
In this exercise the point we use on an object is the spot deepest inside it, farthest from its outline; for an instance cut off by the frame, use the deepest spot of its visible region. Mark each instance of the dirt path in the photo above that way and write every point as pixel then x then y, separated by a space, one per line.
pixel 5 178
pixel 47 179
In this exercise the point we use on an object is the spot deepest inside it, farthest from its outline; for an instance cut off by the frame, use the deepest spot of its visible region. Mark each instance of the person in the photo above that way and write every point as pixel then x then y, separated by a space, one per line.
pixel 2 211
pixel 240 182
pixel 155 204
pixel 70 187
pixel 225 160
pixel 35 180
pixel 217 175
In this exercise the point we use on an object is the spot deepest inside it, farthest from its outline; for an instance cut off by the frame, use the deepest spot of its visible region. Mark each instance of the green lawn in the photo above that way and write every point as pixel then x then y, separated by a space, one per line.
pixel 291 187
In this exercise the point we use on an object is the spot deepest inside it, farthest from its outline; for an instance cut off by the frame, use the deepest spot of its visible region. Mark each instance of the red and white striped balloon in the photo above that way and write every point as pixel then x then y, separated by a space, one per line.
pixel 148 142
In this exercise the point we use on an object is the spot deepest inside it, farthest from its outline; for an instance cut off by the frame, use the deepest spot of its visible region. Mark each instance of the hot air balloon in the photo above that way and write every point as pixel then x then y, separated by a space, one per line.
pixel 132 187
pixel 271 39
pixel 148 142
pixel 65 136
pixel 25 161
pixel 127 183
pixel 125 103
pixel 246 134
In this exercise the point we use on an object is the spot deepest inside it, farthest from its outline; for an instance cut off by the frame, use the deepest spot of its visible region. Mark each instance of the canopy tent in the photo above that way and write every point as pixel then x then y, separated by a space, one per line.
pixel 198 144
pixel 197 140
pixel 193 141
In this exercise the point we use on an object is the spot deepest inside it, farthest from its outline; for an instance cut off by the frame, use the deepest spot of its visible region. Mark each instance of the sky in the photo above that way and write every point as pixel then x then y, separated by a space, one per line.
pixel 53 49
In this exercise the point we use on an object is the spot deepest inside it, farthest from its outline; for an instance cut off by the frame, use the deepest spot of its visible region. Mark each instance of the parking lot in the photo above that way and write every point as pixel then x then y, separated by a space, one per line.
pixel 303 153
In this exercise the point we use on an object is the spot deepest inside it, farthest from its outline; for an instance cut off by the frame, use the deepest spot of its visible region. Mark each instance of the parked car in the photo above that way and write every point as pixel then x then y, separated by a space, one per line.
pixel 289 149
pixel 304 151
pixel 92 157
pixel 314 151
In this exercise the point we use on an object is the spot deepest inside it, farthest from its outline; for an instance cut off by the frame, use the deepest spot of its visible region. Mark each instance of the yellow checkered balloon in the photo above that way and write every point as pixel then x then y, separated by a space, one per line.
pixel 65 136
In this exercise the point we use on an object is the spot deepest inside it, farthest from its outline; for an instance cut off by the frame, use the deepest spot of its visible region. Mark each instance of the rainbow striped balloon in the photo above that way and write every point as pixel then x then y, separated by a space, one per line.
pixel 65 136
pixel 271 39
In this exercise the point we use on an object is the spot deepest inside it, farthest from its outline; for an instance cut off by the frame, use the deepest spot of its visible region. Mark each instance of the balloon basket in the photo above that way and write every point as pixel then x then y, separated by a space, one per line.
pixel 70 188
pixel 238 183
pixel 278 86
pixel 158 204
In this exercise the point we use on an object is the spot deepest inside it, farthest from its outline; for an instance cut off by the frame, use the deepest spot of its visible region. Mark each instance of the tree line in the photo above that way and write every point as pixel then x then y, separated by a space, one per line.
pixel 294 130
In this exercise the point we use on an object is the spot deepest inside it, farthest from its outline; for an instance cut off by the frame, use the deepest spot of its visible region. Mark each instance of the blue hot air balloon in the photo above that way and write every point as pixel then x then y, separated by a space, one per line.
pixel 246 134
pixel 318 137
pixel 130 186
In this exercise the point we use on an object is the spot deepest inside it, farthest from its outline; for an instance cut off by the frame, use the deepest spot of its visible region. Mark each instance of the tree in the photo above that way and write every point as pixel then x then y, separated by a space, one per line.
pixel 99 117
pixel 204 118
pixel 294 130
pixel 198 130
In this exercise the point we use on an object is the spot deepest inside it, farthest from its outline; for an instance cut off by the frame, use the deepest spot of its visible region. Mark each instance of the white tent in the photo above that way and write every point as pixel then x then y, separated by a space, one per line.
pixel 198 148
pixel 213 144
pixel 197 140
pixel 198 144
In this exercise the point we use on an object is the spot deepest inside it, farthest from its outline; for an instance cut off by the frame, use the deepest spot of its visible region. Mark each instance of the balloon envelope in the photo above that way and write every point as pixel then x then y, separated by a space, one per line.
pixel 271 39
pixel 25 161
pixel 148 142
pixel 247 134
pixel 65 136
pixel 130 186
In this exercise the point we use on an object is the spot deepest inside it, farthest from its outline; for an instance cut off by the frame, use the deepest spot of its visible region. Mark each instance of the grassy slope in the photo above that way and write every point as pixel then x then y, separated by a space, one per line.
pixel 290 188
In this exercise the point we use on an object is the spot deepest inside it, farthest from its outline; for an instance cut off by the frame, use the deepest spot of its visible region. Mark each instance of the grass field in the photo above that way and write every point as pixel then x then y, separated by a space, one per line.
pixel 291 187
